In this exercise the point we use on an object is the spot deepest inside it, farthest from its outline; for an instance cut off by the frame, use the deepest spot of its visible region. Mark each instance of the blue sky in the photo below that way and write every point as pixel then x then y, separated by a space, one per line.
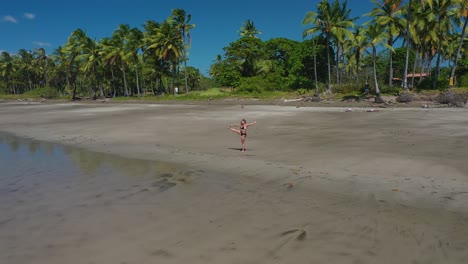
pixel 32 24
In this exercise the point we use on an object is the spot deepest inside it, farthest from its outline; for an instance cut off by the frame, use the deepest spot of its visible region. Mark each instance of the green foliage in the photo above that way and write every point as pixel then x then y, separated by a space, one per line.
pixel 46 92
pixel 252 85
pixel 347 88
pixel 463 81
pixel 386 89
pixel 399 58
pixel 426 84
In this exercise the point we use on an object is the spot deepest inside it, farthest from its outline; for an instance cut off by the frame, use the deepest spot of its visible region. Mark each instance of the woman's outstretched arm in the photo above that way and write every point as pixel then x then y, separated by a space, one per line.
pixel 254 122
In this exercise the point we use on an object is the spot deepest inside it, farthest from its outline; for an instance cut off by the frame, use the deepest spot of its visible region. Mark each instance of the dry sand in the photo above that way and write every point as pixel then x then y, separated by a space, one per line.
pixel 316 185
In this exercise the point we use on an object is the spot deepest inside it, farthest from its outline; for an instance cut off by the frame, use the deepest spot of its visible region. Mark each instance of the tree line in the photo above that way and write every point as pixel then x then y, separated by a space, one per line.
pixel 336 50
pixel 130 62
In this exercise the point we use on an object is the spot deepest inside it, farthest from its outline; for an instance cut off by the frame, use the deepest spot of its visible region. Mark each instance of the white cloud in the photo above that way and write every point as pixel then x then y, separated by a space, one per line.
pixel 42 44
pixel 10 19
pixel 29 15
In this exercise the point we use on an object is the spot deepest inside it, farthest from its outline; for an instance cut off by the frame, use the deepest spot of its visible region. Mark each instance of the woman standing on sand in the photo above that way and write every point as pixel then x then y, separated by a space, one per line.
pixel 242 131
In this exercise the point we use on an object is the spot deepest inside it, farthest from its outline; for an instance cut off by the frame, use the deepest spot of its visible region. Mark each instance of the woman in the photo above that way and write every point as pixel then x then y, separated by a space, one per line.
pixel 242 131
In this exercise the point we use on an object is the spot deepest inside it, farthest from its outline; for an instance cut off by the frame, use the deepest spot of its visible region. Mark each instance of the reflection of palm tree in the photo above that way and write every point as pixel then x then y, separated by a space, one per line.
pixel 90 162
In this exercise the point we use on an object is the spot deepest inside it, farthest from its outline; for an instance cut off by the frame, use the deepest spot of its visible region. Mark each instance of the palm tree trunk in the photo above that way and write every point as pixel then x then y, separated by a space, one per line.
pixel 390 81
pixel 378 97
pixel 457 56
pixel 137 81
pixel 114 92
pixel 405 73
pixel 414 69
pixel 337 64
pixel 315 70
pixel 437 70
pixel 186 76
pixel 329 66
pixel 125 80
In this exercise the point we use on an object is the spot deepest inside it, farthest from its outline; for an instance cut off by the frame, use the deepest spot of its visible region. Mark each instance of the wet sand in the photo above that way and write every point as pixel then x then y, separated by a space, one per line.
pixel 315 185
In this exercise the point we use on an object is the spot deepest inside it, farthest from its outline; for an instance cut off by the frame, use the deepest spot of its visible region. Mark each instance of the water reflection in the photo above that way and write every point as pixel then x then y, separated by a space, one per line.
pixel 13 148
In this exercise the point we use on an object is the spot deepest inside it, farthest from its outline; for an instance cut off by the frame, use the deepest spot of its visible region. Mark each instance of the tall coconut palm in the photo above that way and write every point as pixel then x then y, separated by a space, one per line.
pixel 133 44
pixel 248 29
pixel 72 49
pixel 409 8
pixel 154 66
pixel 114 50
pixel 91 59
pixel 463 13
pixel 356 47
pixel 6 69
pixel 167 46
pixel 42 61
pixel 388 13
pixel 26 64
pixel 182 24
pixel 327 21
pixel 445 15
pixel 377 36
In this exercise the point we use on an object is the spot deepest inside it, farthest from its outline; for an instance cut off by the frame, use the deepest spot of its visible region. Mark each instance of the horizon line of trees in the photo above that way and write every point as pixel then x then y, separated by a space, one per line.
pixel 341 51
pixel 129 62
pixel 334 51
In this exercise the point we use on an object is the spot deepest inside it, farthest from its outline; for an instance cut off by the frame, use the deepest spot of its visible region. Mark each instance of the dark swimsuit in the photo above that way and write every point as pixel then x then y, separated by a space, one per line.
pixel 243 131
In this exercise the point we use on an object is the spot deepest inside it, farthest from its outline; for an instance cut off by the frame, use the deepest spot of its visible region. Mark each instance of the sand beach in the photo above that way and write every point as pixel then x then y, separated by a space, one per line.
pixel 167 183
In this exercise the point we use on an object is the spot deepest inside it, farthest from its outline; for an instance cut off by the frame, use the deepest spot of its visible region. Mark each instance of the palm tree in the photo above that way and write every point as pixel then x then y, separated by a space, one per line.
pixel 248 29
pixel 377 36
pixel 42 61
pixel 355 47
pixel 463 12
pixel 408 37
pixel 327 20
pixel 182 23
pixel 388 13
pixel 133 44
pixel 91 59
pixel 6 69
pixel 154 66
pixel 445 13
pixel 26 59
pixel 72 49
pixel 114 51
pixel 167 46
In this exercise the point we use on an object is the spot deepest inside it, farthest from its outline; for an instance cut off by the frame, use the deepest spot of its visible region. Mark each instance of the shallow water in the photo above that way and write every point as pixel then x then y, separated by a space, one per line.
pixel 67 205
pixel 52 194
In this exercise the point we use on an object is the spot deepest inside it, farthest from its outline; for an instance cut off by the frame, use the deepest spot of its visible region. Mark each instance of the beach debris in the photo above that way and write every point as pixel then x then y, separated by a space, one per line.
pixel 348 110
pixel 301 233
pixel 372 110
pixel 288 185
pixel 292 100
